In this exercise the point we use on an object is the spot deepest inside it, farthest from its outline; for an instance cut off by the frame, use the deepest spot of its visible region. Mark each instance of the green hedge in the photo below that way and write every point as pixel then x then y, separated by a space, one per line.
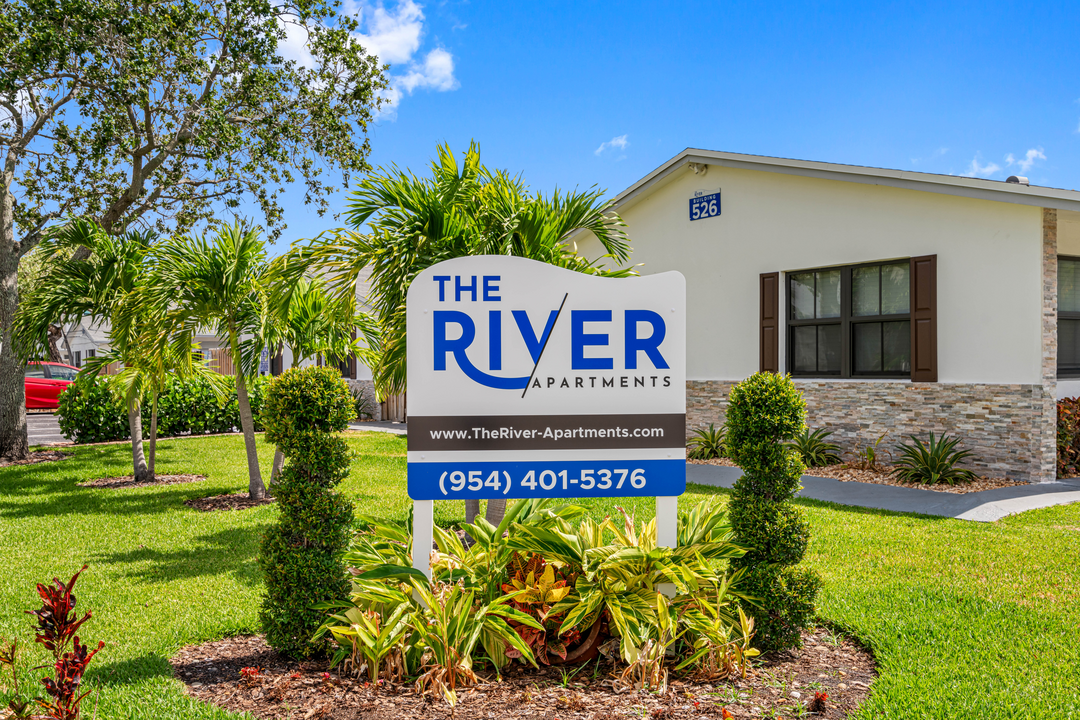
pixel 89 413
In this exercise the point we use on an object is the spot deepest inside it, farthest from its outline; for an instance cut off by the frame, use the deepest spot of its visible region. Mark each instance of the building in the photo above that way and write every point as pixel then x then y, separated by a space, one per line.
pixel 900 302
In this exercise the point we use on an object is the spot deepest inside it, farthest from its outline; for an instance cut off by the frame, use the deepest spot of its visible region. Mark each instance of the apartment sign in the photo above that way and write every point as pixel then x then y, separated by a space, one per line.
pixel 528 380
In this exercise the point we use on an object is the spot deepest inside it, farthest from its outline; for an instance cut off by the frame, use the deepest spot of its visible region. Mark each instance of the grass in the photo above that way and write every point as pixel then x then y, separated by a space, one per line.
pixel 967 620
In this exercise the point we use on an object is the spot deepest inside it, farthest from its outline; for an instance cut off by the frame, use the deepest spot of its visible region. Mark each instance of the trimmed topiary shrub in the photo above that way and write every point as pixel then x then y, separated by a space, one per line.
pixel 764 413
pixel 88 413
pixel 301 555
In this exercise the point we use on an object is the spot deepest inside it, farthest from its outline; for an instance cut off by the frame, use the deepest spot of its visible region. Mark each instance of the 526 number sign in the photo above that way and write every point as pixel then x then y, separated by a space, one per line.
pixel 705 206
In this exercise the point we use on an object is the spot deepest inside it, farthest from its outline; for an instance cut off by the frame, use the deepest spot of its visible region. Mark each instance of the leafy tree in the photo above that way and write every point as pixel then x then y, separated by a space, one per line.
pixel 218 284
pixel 152 113
pixel 461 209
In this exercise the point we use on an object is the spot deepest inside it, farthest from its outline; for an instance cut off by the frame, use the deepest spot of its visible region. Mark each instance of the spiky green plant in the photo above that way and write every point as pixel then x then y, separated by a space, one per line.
pixel 815 449
pixel 706 444
pixel 933 463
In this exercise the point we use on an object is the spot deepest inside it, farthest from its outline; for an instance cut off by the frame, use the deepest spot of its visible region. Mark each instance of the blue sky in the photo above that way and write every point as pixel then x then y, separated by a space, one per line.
pixel 582 94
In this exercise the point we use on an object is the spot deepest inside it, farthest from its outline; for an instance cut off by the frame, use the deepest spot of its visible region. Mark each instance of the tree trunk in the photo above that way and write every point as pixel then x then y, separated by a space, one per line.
pixel 472 509
pixel 256 489
pixel 279 461
pixel 138 457
pixel 153 433
pixel 496 509
pixel 13 444
pixel 55 333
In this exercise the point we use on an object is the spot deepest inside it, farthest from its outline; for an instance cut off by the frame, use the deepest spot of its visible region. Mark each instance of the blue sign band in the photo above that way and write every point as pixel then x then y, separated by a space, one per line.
pixel 546 479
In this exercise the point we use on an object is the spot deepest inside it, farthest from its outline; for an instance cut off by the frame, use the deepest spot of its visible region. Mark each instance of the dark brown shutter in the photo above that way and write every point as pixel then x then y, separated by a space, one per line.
pixel 924 319
pixel 352 360
pixel 769 341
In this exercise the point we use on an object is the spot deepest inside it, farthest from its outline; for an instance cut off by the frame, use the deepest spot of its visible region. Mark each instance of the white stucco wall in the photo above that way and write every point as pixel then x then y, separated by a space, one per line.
pixel 989 262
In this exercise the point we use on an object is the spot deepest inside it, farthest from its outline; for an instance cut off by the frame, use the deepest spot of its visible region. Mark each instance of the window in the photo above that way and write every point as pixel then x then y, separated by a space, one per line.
pixel 1068 324
pixel 59 372
pixel 34 370
pixel 78 358
pixel 850 321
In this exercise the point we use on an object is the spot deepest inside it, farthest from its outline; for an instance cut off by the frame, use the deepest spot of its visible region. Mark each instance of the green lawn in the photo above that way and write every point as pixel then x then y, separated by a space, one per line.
pixel 967 620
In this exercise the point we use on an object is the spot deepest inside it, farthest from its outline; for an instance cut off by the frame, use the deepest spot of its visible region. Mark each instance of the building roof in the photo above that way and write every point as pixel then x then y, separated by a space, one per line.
pixel 996 190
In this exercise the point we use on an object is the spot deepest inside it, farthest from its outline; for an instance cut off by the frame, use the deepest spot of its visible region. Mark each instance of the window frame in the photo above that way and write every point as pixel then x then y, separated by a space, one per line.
pixel 847 321
pixel 1068 315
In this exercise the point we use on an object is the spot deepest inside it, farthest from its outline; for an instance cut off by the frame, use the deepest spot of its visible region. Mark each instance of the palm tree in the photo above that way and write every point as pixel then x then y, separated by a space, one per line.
pixel 461 209
pixel 218 283
pixel 106 287
pixel 312 322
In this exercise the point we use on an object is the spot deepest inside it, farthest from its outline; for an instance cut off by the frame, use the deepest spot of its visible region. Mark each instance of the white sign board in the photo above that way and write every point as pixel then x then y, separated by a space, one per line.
pixel 528 380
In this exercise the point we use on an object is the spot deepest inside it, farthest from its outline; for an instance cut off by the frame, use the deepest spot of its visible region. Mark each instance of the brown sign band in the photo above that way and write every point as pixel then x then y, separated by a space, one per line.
pixel 546 432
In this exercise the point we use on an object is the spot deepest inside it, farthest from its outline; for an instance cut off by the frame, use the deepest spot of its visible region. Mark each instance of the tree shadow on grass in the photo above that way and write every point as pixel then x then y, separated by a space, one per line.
pixel 50 489
pixel 232 551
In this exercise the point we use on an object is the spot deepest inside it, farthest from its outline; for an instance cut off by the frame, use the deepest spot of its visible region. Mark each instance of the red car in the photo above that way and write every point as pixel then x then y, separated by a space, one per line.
pixel 45 381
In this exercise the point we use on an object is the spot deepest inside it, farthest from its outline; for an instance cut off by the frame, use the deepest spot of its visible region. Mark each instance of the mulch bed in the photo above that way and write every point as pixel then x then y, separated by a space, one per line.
pixel 38 456
pixel 783 686
pixel 236 501
pixel 128 481
pixel 849 472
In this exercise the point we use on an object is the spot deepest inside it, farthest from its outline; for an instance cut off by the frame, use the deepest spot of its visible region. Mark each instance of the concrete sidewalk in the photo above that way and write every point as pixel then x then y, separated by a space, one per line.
pixel 985 506
pixel 42 428
pixel 394 428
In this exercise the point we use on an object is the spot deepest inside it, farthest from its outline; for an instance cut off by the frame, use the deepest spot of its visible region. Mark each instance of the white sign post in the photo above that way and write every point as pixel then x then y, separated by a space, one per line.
pixel 527 380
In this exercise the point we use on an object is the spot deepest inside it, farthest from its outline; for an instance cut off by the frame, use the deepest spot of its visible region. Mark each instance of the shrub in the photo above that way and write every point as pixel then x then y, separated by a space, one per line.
pixel 301 555
pixel 815 449
pixel 933 463
pixel 706 444
pixel 89 413
pixel 1068 437
pixel 765 411
pixel 546 579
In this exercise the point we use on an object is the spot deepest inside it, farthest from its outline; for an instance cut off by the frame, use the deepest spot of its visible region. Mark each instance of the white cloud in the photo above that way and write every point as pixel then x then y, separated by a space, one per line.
pixel 977 170
pixel 394 36
pixel 1027 161
pixel 437 73
pixel 618 141
pixel 294 46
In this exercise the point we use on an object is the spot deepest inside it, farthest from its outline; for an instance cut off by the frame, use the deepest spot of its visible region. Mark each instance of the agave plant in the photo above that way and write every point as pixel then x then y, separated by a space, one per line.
pixel 706 444
pixel 933 463
pixel 815 449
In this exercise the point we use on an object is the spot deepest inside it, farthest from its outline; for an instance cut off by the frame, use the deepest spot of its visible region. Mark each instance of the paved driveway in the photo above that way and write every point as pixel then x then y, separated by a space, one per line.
pixel 42 428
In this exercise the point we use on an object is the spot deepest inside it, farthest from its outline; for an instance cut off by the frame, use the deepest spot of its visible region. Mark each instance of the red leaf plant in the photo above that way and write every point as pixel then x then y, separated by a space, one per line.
pixel 64 689
pixel 544 585
pixel 57 624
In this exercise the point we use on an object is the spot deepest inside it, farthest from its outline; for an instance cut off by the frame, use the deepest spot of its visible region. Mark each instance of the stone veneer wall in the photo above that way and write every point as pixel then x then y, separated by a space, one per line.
pixel 1048 447
pixel 999 423
pixel 368 388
